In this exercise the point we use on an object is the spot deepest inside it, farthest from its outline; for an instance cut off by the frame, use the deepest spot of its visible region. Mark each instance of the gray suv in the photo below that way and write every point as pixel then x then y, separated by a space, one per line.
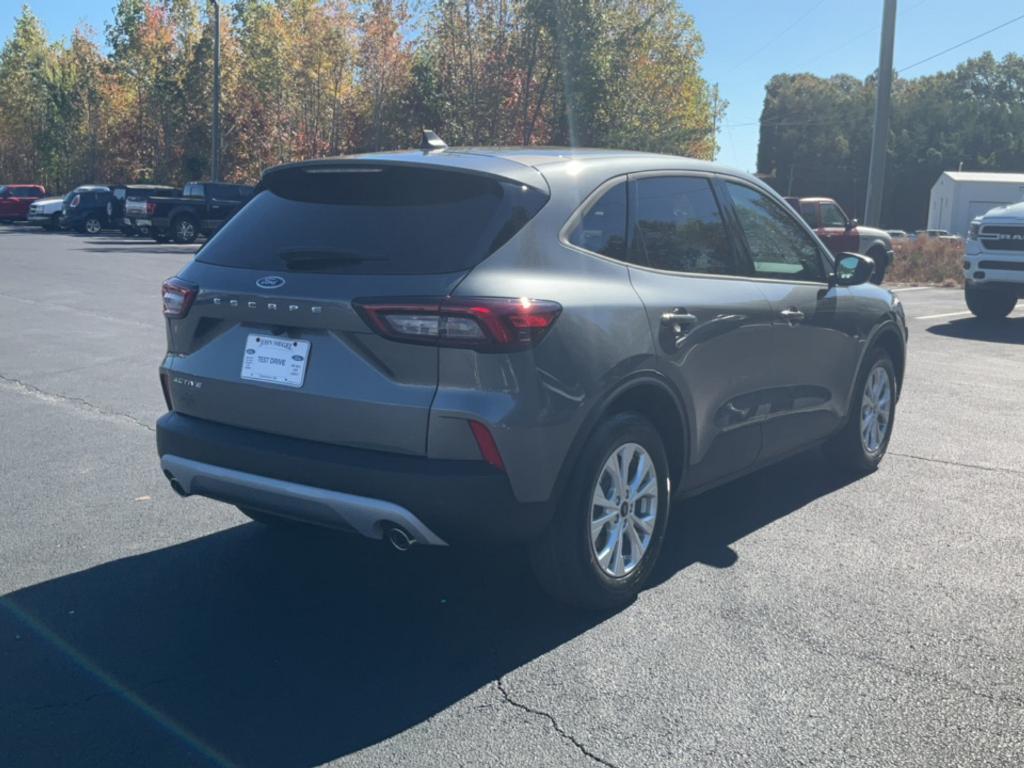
pixel 534 345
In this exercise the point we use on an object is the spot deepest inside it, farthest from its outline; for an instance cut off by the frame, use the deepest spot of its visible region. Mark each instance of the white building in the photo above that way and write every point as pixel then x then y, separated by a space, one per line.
pixel 959 196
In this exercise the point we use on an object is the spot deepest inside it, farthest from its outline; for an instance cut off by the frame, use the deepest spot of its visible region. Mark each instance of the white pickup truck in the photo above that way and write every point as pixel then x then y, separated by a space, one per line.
pixel 994 262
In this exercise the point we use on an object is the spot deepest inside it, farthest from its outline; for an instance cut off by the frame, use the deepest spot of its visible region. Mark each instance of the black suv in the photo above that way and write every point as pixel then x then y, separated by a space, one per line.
pixel 85 209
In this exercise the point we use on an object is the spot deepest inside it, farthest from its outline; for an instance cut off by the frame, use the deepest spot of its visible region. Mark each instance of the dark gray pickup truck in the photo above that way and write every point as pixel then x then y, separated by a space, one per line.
pixel 201 209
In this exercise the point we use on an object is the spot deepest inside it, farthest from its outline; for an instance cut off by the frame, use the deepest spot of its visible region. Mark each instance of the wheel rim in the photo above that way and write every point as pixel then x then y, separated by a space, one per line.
pixel 92 226
pixel 875 410
pixel 624 510
pixel 186 230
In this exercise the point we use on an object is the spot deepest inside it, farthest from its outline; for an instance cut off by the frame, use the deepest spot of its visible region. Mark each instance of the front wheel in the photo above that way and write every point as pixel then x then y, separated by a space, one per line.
pixel 861 445
pixel 604 538
pixel 989 303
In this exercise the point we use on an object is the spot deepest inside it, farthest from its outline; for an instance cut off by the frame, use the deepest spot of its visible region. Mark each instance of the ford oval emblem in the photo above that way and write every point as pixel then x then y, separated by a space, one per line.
pixel 270 282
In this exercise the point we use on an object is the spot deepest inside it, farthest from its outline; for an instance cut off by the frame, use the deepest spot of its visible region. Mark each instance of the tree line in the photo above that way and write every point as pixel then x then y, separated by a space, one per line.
pixel 309 78
pixel 815 133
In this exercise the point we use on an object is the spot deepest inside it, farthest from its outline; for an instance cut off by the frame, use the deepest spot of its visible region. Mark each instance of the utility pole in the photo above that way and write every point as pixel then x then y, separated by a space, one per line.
pixel 215 149
pixel 880 138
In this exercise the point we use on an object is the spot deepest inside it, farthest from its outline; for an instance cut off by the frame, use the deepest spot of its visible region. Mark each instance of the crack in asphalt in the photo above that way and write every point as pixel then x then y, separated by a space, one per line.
pixel 25 388
pixel 950 463
pixel 554 724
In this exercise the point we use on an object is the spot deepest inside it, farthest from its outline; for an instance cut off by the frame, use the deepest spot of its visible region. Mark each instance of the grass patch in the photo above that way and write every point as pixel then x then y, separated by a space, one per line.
pixel 927 260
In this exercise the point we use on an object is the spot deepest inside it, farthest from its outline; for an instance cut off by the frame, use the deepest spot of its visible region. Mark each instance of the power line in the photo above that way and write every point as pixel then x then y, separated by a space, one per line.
pixel 771 42
pixel 835 49
pixel 961 44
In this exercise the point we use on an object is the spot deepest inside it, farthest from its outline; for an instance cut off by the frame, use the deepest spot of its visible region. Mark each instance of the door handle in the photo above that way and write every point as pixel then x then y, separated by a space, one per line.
pixel 678 317
pixel 792 315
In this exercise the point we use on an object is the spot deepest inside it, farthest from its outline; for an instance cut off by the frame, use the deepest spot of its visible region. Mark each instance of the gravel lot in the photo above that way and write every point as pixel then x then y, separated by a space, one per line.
pixel 795 620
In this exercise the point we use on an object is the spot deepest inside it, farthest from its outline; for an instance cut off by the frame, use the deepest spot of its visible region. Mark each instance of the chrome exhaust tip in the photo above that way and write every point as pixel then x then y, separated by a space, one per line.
pixel 398 538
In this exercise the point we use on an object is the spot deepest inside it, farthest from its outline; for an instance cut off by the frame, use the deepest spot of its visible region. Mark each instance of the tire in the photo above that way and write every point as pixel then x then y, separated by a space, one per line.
pixel 989 304
pixel 850 450
pixel 575 566
pixel 93 225
pixel 881 265
pixel 184 230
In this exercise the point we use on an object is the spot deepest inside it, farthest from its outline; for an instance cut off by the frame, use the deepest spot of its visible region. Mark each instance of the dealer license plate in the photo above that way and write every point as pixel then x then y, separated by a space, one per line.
pixel 275 359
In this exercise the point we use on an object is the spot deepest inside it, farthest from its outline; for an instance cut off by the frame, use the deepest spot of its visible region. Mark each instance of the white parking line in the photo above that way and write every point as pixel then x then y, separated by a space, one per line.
pixel 914 288
pixel 957 314
pixel 944 314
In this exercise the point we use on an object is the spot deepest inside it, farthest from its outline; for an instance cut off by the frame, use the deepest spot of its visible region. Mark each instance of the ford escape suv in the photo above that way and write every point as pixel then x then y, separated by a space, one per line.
pixel 531 345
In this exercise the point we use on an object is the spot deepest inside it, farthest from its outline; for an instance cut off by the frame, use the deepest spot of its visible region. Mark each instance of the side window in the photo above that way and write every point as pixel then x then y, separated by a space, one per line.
pixel 832 215
pixel 779 247
pixel 223 192
pixel 680 228
pixel 809 212
pixel 603 227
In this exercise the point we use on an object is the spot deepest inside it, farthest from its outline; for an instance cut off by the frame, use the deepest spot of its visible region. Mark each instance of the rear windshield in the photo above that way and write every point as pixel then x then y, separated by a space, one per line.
pixel 373 220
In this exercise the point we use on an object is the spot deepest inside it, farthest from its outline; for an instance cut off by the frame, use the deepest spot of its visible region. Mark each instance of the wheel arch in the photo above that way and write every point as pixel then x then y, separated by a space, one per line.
pixel 650 395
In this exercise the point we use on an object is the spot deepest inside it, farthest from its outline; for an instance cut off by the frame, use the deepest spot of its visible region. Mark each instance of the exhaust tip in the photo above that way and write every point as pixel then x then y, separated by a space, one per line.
pixel 398 538
pixel 175 485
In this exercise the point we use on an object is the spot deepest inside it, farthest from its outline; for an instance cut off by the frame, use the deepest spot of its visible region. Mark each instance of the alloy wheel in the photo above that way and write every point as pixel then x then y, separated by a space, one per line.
pixel 186 230
pixel 93 226
pixel 875 410
pixel 624 509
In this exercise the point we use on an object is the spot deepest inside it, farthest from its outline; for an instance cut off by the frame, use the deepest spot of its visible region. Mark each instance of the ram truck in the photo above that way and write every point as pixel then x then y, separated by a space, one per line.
pixel 994 262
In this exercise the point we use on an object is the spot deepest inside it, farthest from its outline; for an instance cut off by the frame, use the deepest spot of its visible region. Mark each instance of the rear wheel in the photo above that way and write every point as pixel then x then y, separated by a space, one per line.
pixel 989 303
pixel 92 225
pixel 184 230
pixel 604 538
pixel 861 445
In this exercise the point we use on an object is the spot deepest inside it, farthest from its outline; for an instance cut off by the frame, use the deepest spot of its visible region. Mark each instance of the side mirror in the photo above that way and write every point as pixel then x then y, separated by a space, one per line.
pixel 851 223
pixel 853 269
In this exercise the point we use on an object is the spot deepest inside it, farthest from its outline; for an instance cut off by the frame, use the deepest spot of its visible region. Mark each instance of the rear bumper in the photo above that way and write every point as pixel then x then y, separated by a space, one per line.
pixel 437 501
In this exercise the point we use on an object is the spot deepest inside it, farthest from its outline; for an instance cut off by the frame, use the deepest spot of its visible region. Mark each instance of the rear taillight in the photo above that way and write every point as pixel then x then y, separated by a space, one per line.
pixel 150 208
pixel 75 201
pixel 485 324
pixel 178 297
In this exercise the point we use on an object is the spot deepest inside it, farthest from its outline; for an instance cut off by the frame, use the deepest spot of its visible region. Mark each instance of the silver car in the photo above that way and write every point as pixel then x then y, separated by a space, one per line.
pixel 543 346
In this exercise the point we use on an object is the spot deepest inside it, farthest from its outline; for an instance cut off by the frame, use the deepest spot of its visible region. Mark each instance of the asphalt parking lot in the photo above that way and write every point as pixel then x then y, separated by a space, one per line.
pixel 796 619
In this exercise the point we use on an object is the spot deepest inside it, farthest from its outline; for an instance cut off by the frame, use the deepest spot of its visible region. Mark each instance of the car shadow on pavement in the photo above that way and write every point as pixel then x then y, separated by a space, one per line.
pixel 253 647
pixel 1008 331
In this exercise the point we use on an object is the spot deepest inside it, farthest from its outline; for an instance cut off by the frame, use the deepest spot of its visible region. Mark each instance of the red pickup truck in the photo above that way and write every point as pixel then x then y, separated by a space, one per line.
pixel 16 198
pixel 841 234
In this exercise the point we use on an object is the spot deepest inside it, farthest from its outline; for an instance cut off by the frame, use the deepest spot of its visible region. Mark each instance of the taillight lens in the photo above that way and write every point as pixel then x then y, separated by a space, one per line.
pixel 150 208
pixel 485 324
pixel 75 201
pixel 178 297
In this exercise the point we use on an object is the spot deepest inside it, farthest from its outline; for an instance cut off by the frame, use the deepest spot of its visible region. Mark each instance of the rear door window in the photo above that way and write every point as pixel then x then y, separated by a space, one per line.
pixel 779 247
pixel 373 220
pixel 679 226
pixel 602 229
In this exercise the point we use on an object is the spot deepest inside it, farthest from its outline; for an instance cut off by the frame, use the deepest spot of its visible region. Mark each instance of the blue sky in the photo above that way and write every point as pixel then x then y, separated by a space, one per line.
pixel 747 42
